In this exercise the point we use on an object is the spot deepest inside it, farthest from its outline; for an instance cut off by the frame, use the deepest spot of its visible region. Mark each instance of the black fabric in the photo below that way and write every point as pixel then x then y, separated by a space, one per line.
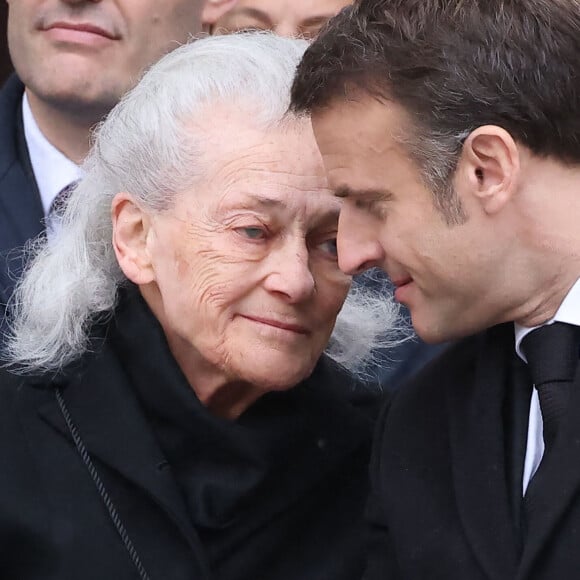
pixel 227 469
pixel 516 413
pixel 440 496
pixel 21 214
pixel 552 355
pixel 277 495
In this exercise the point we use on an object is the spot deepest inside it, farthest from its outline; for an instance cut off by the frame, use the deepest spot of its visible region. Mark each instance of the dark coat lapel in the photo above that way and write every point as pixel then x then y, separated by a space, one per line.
pixel 20 207
pixel 115 431
pixel 477 445
pixel 558 487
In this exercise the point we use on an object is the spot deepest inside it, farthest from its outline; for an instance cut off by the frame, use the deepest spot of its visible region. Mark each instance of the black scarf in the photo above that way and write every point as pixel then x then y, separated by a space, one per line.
pixel 230 471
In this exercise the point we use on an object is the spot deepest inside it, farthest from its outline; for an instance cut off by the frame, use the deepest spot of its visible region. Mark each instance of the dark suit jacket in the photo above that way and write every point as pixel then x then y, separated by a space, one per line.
pixel 54 526
pixel 21 215
pixel 446 476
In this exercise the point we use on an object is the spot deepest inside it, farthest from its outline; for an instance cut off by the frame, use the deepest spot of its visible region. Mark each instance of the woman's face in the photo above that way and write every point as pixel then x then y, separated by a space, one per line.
pixel 245 280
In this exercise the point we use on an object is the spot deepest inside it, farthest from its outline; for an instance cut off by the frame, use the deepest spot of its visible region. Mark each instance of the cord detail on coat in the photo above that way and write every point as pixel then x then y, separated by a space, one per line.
pixel 105 497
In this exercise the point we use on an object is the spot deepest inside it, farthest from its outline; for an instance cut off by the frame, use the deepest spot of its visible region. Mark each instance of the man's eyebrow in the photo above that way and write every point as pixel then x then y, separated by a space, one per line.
pixel 375 194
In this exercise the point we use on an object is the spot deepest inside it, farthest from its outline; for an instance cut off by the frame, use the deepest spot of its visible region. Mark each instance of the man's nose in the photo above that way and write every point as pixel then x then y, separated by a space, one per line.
pixel 358 245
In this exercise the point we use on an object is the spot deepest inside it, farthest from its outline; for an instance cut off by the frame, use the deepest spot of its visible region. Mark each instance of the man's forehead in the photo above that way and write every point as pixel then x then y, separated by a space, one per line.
pixel 348 131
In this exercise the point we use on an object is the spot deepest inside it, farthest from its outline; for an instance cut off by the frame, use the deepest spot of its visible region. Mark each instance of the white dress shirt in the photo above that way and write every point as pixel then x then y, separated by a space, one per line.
pixel 569 312
pixel 53 171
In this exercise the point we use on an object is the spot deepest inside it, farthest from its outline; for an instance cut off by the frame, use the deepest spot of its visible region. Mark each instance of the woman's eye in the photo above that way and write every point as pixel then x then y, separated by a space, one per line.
pixel 253 233
pixel 329 246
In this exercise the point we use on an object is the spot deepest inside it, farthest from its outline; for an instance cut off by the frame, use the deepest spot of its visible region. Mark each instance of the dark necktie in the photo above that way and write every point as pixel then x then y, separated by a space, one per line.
pixel 58 204
pixel 552 353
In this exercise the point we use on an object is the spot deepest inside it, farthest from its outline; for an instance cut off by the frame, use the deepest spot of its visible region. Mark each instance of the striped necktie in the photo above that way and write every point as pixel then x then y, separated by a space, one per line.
pixel 58 205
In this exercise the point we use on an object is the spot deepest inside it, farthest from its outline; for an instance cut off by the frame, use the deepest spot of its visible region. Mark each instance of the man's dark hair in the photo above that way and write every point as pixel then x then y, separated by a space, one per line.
pixel 455 65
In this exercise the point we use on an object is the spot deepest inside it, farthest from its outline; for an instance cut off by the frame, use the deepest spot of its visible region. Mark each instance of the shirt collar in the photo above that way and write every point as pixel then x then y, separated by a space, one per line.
pixel 52 169
pixel 569 312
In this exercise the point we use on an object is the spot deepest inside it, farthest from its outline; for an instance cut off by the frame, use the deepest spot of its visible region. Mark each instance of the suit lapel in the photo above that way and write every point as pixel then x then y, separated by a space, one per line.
pixel 478 458
pixel 115 431
pixel 21 212
pixel 19 222
pixel 559 484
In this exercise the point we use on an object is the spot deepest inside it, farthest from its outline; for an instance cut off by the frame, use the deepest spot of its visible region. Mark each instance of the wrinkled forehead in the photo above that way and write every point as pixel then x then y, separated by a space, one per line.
pixel 235 138
pixel 276 168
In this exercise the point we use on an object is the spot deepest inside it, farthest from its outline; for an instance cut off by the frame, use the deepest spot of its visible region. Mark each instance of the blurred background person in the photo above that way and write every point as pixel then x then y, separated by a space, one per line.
pixel 181 420
pixel 74 59
pixel 293 18
pixel 5 63
pixel 305 18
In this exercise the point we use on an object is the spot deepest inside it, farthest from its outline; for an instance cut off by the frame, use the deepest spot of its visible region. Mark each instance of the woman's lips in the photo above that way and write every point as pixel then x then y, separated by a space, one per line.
pixel 290 326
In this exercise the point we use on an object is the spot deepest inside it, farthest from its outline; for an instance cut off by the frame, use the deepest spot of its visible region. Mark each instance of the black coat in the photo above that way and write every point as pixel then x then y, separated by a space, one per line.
pixel 447 471
pixel 53 520
pixel 21 214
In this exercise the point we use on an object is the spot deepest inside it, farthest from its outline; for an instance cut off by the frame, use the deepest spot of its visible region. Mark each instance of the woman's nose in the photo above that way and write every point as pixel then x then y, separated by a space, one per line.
pixel 291 276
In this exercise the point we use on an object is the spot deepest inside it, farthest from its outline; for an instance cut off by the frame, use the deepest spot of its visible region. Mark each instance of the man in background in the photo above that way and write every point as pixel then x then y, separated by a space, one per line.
pixel 298 18
pixel 5 64
pixel 74 59
pixel 451 129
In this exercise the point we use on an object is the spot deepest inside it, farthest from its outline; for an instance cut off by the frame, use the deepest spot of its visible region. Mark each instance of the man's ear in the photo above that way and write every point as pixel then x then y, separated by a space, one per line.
pixel 490 167
pixel 213 10
pixel 131 228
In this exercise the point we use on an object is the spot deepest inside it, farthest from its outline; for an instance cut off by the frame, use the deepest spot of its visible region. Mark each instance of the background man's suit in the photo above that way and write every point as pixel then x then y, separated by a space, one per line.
pixel 447 475
pixel 21 215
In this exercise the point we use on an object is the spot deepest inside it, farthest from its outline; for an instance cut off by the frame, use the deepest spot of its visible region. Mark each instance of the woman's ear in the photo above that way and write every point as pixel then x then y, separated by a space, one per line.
pixel 490 167
pixel 131 228
pixel 213 10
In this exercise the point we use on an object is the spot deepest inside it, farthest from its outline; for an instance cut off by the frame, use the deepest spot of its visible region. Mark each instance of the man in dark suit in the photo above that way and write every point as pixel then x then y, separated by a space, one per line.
pixel 450 128
pixel 74 59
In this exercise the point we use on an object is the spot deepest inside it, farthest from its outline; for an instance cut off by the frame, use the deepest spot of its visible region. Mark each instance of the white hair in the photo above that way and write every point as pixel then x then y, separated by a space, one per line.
pixel 146 146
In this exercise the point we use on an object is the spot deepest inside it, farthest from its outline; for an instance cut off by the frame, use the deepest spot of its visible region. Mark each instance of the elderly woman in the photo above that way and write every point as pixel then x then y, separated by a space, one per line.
pixel 177 418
